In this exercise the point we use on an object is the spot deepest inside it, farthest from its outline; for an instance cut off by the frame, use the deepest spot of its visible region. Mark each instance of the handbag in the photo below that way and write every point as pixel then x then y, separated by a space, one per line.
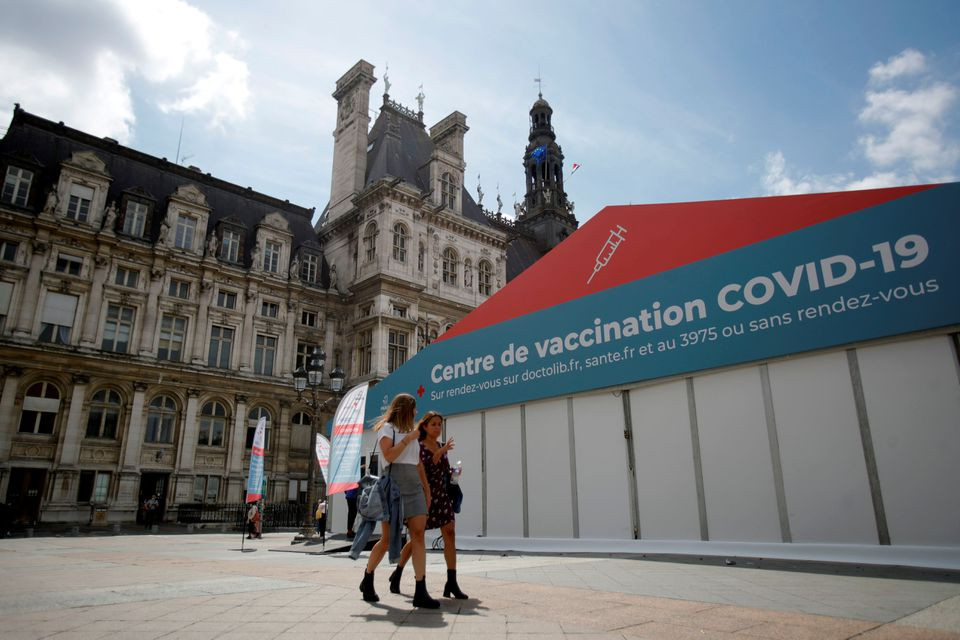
pixel 373 490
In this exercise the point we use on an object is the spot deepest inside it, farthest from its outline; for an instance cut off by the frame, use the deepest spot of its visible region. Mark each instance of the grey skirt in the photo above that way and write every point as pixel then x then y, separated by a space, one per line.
pixel 408 480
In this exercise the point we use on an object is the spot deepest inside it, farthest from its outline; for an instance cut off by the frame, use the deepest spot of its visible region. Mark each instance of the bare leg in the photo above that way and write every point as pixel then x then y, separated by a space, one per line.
pixel 449 532
pixel 416 525
pixel 405 553
pixel 379 549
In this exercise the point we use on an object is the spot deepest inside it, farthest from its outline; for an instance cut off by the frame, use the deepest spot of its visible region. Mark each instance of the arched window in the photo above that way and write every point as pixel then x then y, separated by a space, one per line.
pixel 448 191
pixel 300 433
pixel 161 420
pixel 370 241
pixel 450 266
pixel 213 425
pixel 41 404
pixel 105 407
pixel 252 419
pixel 484 278
pixel 400 242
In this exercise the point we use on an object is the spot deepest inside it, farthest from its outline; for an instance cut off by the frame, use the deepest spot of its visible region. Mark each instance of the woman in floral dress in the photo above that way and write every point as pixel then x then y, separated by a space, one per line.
pixel 440 515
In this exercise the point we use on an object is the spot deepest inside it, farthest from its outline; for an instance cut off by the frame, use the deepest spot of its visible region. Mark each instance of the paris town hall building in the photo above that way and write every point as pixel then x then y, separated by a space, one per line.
pixel 151 314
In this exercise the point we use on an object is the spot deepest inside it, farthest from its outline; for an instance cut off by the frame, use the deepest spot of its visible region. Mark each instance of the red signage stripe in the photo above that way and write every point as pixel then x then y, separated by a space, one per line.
pixel 257 451
pixel 337 487
pixel 347 429
pixel 660 237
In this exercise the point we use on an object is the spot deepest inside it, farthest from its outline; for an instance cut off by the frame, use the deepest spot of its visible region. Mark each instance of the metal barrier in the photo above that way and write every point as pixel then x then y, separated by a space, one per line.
pixel 283 515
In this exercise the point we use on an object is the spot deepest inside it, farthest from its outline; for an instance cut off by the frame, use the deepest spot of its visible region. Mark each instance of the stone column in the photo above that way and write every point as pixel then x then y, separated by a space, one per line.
pixel 88 338
pixel 289 342
pixel 246 340
pixel 124 509
pixel 8 418
pixel 199 353
pixel 150 317
pixel 31 291
pixel 235 452
pixel 70 451
pixel 187 450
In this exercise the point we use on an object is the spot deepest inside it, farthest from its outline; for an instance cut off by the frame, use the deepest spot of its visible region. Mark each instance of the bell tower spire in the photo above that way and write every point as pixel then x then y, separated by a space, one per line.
pixel 547 214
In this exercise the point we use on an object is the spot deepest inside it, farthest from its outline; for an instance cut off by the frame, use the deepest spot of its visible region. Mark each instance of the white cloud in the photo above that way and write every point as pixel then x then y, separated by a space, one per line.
pixel 910 144
pixel 79 68
pixel 907 62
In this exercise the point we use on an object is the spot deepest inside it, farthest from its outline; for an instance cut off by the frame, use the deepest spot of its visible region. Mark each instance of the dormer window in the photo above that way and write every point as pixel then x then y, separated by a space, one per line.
pixel 135 218
pixel 230 246
pixel 186 230
pixel 448 191
pixel 271 257
pixel 310 268
pixel 16 186
pixel 78 208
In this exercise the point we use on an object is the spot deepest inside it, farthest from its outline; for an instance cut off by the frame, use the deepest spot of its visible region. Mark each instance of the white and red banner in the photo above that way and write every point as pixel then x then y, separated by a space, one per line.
pixel 323 456
pixel 255 477
pixel 347 441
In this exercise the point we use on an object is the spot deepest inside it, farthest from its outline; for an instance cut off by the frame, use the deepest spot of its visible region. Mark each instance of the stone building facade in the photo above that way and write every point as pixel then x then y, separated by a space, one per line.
pixel 150 314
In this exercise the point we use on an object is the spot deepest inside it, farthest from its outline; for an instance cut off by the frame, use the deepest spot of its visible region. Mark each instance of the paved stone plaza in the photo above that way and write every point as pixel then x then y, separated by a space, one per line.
pixel 202 586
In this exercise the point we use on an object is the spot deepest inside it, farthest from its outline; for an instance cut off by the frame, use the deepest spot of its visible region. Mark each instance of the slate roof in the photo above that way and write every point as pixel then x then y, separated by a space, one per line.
pixel 49 144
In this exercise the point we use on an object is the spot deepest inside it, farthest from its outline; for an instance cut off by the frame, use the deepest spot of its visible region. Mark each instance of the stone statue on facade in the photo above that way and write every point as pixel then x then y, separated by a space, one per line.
pixel 420 98
pixel 53 199
pixel 295 268
pixel 499 204
pixel 333 277
pixel 164 232
pixel 479 193
pixel 386 81
pixel 212 245
pixel 255 256
pixel 111 218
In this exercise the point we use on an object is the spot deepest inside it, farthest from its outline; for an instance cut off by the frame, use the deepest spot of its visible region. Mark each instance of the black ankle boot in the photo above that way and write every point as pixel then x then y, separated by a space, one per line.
pixel 452 587
pixel 395 579
pixel 366 587
pixel 422 599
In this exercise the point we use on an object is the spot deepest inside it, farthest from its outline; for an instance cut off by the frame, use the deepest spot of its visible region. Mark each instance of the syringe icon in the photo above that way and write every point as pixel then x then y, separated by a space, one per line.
pixel 616 237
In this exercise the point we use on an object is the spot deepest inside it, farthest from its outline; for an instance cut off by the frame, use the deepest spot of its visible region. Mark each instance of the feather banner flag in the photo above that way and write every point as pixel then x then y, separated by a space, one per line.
pixel 255 476
pixel 323 456
pixel 347 439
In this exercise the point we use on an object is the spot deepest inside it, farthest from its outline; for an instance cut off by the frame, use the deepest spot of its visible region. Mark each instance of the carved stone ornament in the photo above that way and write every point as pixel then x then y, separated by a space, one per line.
pixel 191 193
pixel 12 371
pixel 346 106
pixel 140 386
pixel 156 273
pixel 193 393
pixel 40 247
pixel 240 398
pixel 101 260
pixel 275 220
pixel 88 160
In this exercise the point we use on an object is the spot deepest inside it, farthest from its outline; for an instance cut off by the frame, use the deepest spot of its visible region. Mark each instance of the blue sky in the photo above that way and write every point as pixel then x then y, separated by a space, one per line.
pixel 658 101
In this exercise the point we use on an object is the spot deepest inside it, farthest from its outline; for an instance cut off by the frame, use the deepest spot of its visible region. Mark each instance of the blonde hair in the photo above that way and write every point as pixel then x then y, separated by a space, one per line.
pixel 400 413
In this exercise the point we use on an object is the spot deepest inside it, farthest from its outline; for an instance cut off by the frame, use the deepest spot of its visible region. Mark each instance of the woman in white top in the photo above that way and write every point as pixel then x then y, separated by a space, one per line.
pixel 399 445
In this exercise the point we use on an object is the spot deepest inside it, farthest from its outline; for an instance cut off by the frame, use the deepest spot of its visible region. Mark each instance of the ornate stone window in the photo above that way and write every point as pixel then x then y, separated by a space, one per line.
pixel 135 218
pixel 230 246
pixel 118 328
pixel 448 191
pixel 400 237
pixel 206 489
pixel 127 277
pixel 364 352
pixel 8 250
pixel 485 278
pixel 264 354
pixel 304 350
pixel 104 418
pixel 78 206
pixel 186 232
pixel 370 241
pixel 252 419
pixel 161 420
pixel 300 432
pixel 41 404
pixel 310 268
pixel 93 486
pixel 450 266
pixel 221 343
pixel 271 257
pixel 16 186
pixel 213 425
pixel 396 349
pixel 57 318
pixel 173 334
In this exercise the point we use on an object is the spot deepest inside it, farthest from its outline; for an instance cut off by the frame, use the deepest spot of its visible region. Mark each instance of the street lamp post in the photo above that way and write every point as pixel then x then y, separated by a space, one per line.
pixel 310 380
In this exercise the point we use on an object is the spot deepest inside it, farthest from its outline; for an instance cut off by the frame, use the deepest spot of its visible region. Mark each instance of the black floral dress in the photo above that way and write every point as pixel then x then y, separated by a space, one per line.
pixel 441 506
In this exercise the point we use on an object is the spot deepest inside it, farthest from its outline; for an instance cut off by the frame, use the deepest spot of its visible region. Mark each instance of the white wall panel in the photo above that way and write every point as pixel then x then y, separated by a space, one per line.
pixel 824 474
pixel 913 404
pixel 602 476
pixel 737 473
pixel 666 484
pixel 465 431
pixel 548 470
pixel 504 478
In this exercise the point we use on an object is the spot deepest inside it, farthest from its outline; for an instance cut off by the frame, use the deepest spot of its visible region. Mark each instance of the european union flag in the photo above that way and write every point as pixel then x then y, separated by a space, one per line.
pixel 540 153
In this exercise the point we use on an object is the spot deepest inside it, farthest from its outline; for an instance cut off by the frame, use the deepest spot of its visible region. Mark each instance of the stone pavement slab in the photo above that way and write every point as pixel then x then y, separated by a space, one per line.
pixel 202 586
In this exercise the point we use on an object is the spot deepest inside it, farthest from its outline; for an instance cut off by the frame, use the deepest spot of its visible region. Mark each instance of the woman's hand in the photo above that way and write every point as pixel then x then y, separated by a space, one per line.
pixel 448 446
